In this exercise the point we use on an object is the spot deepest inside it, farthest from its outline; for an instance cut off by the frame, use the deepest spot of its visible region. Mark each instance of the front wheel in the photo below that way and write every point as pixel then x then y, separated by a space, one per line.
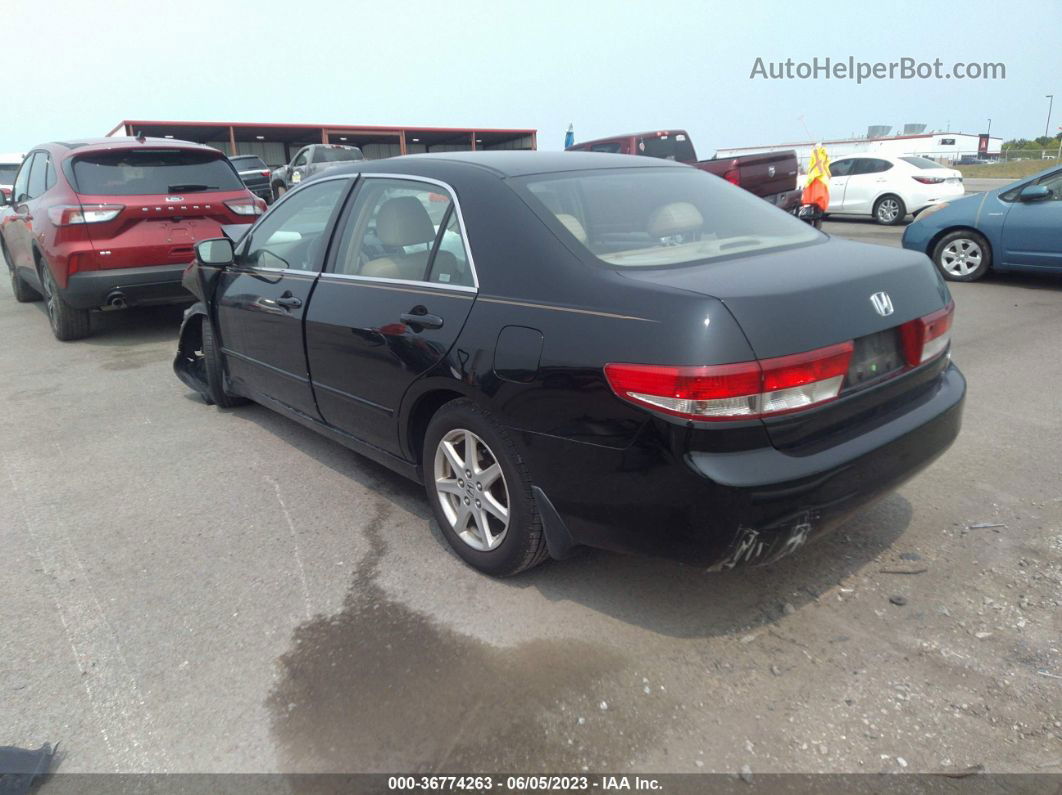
pixel 212 369
pixel 67 322
pixel 962 256
pixel 278 191
pixel 889 210
pixel 480 492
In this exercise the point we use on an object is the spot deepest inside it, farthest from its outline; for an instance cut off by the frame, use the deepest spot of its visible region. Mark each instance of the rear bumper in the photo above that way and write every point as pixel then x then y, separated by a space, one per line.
pixel 788 200
pixel 156 284
pixel 722 510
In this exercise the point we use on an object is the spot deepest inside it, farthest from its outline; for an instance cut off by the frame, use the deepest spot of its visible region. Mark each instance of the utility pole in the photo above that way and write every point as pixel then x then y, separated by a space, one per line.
pixel 1050 104
pixel 989 132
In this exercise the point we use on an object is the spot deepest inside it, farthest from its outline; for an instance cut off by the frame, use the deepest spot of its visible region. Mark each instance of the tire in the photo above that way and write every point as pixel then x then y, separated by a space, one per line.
pixel 278 191
pixel 889 210
pixel 212 367
pixel 67 322
pixel 509 545
pixel 962 256
pixel 24 294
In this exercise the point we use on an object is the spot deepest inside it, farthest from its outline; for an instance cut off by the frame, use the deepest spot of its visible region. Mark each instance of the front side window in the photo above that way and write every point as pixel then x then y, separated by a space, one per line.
pixel 294 235
pixel 302 157
pixel 403 229
pixel 1054 183
pixel 871 165
pixel 18 191
pixel 647 217
pixel 147 172
pixel 841 168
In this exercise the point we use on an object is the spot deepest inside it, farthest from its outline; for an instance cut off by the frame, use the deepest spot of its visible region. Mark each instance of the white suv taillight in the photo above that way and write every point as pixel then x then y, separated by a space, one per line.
pixel 71 214
pixel 245 206
pixel 927 337
pixel 746 390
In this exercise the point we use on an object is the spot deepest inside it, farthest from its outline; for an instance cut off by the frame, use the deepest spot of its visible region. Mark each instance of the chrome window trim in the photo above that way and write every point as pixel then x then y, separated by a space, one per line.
pixel 400 282
pixel 465 242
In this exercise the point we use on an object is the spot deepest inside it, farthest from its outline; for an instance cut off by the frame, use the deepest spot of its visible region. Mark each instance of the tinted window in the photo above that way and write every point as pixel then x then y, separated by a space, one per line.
pixel 18 192
pixel 37 177
pixel 142 172
pixel 393 230
pixel 248 163
pixel 841 168
pixel 293 235
pixel 335 154
pixel 612 146
pixel 302 157
pixel 1054 182
pixel 671 216
pixel 7 174
pixel 871 165
pixel 668 147
pixel 925 162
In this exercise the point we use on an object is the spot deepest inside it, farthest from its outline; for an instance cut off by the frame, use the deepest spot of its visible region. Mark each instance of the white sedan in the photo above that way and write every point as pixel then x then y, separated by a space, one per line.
pixel 889 188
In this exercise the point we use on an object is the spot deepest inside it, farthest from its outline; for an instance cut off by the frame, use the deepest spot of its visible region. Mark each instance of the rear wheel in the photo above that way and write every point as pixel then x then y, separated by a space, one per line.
pixel 480 492
pixel 889 210
pixel 212 368
pixel 963 256
pixel 67 322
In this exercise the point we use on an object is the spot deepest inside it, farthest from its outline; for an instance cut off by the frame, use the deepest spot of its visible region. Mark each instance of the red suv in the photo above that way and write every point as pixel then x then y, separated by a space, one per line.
pixel 111 223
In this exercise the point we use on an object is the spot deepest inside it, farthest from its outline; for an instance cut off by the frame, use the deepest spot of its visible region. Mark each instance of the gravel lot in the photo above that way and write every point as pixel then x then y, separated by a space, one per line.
pixel 188 589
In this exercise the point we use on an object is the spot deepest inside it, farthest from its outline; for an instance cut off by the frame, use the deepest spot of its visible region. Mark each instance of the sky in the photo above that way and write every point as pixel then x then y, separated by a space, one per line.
pixel 77 68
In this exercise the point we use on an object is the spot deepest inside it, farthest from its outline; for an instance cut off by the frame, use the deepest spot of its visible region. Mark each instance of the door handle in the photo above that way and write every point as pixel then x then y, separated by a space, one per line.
pixel 421 319
pixel 289 301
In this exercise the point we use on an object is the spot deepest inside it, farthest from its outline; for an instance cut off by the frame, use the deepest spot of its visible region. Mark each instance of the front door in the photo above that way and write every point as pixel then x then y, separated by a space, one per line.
pixel 18 225
pixel 865 182
pixel 390 305
pixel 839 172
pixel 1032 231
pixel 261 299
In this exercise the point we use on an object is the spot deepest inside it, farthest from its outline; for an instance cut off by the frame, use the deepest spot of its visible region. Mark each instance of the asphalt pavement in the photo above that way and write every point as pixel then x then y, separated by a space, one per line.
pixel 192 589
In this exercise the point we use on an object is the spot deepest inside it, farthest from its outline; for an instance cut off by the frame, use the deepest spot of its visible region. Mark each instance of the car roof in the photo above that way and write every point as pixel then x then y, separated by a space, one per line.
pixel 512 163
pixel 85 145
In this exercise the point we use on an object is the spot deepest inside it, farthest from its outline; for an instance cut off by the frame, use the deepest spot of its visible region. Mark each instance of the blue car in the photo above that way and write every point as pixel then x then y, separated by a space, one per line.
pixel 1016 227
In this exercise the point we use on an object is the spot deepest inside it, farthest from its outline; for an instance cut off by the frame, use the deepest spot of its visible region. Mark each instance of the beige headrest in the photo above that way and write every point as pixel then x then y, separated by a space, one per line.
pixel 572 224
pixel 674 219
pixel 403 221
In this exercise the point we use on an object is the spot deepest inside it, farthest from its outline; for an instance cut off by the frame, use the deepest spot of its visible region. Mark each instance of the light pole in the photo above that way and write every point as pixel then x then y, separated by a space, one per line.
pixel 989 132
pixel 1050 104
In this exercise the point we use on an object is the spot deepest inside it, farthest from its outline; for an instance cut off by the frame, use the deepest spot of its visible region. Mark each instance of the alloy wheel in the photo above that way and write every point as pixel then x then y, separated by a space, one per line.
pixel 961 257
pixel 51 296
pixel 471 489
pixel 888 210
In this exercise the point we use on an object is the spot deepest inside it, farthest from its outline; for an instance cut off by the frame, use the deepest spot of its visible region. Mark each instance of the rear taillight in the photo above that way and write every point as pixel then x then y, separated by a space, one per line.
pixel 927 337
pixel 266 173
pixel 246 206
pixel 72 214
pixel 928 180
pixel 746 390
pixel 733 175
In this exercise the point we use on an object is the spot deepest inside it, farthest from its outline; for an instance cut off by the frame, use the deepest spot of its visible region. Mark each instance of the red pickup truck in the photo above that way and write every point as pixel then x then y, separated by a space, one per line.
pixel 771 175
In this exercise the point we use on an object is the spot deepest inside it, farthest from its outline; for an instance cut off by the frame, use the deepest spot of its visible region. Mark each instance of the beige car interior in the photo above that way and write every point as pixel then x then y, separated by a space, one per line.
pixel 401 222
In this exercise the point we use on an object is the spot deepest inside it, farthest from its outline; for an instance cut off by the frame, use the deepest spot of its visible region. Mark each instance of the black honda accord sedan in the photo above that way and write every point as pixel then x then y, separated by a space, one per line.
pixel 583 349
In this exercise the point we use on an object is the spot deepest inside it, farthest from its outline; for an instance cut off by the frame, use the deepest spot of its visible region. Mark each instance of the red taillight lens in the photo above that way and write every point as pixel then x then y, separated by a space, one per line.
pixel 71 214
pixel 266 173
pixel 248 206
pixel 733 176
pixel 927 337
pixel 735 391
pixel 928 180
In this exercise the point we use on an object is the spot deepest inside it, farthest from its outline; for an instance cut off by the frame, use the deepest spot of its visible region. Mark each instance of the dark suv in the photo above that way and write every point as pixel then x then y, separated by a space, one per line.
pixel 255 175
pixel 112 222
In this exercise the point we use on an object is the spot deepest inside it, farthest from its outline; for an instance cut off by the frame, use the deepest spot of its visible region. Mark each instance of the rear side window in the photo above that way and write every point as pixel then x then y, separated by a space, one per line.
pixel 145 172
pixel 38 180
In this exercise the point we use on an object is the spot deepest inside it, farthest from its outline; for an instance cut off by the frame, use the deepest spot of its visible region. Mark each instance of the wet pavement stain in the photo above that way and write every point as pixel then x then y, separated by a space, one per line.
pixel 379 687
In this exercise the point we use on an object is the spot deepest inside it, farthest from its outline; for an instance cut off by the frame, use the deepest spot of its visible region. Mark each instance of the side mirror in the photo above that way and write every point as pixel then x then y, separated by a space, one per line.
pixel 1035 193
pixel 217 252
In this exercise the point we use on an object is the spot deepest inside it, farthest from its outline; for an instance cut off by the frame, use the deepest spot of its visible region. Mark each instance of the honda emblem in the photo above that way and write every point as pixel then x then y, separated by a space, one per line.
pixel 882 303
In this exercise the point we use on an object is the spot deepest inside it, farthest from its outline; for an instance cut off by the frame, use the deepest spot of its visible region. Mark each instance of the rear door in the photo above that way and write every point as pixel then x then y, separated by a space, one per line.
pixel 1032 231
pixel 260 301
pixel 839 171
pixel 866 182
pixel 390 305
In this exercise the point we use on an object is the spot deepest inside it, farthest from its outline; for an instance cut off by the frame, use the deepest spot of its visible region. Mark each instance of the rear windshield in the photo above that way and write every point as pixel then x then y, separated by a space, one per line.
pixel 142 172
pixel 645 217
pixel 335 155
pixel 921 162
pixel 668 147
pixel 247 163
pixel 7 174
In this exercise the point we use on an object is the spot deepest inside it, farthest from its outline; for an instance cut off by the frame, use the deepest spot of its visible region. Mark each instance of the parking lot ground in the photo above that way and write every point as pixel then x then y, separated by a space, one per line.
pixel 190 589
